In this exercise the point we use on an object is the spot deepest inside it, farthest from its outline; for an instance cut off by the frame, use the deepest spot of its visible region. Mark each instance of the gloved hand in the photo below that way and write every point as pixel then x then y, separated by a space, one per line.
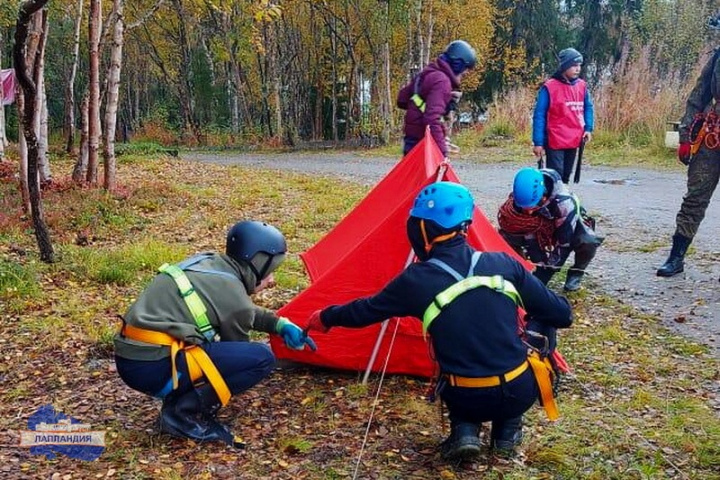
pixel 315 323
pixel 683 153
pixel 293 335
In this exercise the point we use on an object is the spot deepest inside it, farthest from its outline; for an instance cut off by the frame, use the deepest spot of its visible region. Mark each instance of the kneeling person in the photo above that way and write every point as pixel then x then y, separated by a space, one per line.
pixel 185 340
pixel 543 221
pixel 467 303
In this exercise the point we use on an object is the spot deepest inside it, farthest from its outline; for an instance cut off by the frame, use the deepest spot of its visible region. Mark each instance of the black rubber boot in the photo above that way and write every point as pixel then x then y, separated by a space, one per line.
pixel 463 442
pixel 192 415
pixel 675 262
pixel 505 435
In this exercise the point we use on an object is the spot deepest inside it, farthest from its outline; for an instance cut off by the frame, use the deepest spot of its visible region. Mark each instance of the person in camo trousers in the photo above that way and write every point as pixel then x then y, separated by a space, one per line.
pixel 699 149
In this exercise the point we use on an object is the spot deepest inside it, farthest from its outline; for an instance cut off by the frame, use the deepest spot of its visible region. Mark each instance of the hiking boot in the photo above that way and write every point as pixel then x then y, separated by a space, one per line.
pixel 675 262
pixel 463 442
pixel 505 436
pixel 572 281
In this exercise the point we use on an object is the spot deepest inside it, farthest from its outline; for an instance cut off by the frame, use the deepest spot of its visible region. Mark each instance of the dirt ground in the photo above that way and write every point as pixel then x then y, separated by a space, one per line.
pixel 635 209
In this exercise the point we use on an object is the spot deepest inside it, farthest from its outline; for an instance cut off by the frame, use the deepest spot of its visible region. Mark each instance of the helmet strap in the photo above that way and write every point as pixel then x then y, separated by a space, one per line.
pixel 429 244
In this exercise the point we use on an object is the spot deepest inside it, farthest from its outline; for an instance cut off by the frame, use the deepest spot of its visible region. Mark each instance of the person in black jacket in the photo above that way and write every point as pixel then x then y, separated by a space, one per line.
pixel 474 329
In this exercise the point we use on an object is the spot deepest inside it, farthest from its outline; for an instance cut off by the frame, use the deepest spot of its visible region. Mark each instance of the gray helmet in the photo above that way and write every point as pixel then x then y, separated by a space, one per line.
pixel 460 55
pixel 567 58
pixel 713 22
pixel 258 244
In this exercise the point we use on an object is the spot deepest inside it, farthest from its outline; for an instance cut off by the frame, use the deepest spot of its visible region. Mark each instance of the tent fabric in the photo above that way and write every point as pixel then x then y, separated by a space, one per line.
pixel 366 250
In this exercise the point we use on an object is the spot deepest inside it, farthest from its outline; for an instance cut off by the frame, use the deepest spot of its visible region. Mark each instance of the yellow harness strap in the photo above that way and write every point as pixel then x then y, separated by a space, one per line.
pixel 543 376
pixel 484 382
pixel 198 362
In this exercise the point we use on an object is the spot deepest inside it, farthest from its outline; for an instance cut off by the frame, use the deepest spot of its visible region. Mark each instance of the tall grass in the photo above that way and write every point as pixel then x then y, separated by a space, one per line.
pixel 633 104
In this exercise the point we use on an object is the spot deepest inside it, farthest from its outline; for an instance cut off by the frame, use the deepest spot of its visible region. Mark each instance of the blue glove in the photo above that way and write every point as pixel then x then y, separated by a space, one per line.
pixel 293 336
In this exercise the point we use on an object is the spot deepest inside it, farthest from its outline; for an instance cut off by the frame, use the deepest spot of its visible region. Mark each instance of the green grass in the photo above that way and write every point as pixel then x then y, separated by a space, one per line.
pixel 17 280
pixel 121 265
pixel 638 402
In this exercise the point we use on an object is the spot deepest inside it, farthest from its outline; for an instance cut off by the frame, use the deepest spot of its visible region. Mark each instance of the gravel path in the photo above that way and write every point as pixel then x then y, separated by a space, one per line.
pixel 635 209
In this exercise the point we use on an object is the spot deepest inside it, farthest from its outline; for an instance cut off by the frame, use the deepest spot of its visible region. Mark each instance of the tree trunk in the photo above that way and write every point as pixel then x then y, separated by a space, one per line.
pixel 94 29
pixel 3 138
pixel 80 169
pixel 29 86
pixel 41 106
pixel 113 94
pixel 69 119
pixel 22 150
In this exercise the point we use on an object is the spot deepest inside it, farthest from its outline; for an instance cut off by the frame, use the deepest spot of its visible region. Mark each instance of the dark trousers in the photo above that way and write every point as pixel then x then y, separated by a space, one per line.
pixel 703 174
pixel 409 143
pixel 584 243
pixel 491 404
pixel 241 364
pixel 562 161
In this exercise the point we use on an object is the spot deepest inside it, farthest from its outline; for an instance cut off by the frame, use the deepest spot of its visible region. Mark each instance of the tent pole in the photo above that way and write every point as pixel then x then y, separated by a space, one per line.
pixel 442 168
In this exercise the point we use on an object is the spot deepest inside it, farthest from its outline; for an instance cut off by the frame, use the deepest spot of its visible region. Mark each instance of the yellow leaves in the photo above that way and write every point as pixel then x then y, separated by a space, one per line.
pixel 266 11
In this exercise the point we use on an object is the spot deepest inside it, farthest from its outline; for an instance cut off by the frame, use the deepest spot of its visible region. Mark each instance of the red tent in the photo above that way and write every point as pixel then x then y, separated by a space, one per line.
pixel 366 250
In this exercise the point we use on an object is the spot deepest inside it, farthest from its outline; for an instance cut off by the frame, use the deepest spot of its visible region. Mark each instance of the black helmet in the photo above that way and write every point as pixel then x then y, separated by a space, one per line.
pixel 713 22
pixel 460 55
pixel 258 244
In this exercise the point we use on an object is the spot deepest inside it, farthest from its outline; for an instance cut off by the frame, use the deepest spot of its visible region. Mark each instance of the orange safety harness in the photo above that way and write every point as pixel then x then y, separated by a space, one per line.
pixel 198 362
pixel 705 130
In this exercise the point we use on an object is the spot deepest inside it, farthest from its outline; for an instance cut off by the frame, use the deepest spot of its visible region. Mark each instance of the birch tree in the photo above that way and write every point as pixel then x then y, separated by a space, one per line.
pixel 113 78
pixel 94 29
pixel 29 81
pixel 69 117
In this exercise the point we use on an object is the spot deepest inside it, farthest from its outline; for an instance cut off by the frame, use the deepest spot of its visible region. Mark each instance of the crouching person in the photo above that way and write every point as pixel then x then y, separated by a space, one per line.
pixel 185 340
pixel 543 221
pixel 467 302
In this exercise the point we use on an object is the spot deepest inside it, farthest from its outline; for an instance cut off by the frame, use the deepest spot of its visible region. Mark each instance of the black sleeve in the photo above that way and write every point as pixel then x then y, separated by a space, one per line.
pixel 541 303
pixel 391 301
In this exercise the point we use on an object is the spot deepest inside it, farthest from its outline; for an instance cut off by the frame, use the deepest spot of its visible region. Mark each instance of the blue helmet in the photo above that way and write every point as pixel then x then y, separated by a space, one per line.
pixel 448 204
pixel 528 187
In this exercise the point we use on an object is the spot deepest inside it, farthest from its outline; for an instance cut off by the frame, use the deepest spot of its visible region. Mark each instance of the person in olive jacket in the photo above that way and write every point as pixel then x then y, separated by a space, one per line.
pixel 185 340
pixel 485 376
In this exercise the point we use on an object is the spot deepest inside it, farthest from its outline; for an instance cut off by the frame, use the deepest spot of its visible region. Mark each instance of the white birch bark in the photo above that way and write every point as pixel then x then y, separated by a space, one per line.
pixel 69 120
pixel 94 31
pixel 113 78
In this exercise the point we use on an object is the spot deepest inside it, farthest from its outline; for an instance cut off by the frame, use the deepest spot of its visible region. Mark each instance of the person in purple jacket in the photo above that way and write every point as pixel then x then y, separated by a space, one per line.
pixel 430 95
